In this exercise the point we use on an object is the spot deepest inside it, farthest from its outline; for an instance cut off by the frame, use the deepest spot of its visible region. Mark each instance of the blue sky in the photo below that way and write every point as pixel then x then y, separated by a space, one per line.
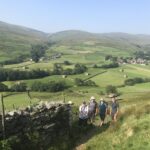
pixel 132 16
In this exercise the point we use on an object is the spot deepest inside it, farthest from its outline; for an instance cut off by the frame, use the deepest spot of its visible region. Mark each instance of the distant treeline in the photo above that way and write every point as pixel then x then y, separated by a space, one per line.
pixel 12 75
pixel 16 60
pixel 51 86
pixel 142 54
pixel 136 80
pixel 107 66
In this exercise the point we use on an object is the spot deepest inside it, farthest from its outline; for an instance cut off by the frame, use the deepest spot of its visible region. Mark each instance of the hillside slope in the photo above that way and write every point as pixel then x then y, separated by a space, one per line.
pixel 132 131
pixel 122 41
pixel 16 40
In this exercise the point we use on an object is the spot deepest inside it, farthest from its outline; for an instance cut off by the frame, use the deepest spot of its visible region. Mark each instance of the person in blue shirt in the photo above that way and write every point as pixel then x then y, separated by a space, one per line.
pixel 102 111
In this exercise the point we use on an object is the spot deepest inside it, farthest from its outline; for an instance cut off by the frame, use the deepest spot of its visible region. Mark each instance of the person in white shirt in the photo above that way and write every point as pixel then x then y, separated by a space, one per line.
pixel 83 114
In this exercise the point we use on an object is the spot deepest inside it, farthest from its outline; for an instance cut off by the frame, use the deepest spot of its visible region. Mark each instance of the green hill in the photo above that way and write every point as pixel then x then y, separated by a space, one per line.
pixel 132 130
pixel 115 40
pixel 16 40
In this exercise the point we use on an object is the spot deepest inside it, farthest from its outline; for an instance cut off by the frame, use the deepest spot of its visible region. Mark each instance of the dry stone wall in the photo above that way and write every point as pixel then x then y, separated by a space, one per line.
pixel 48 119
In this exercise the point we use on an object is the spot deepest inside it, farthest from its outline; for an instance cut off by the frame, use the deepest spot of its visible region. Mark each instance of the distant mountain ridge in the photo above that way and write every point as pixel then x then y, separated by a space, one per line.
pixel 16 40
pixel 15 29
pixel 72 34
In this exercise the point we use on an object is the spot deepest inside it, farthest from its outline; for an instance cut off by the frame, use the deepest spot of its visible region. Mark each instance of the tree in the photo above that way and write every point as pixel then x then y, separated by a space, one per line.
pixel 68 71
pixel 79 82
pixel 133 81
pixel 51 86
pixel 20 87
pixel 111 89
pixel 57 69
pixel 111 65
pixel 108 57
pixel 79 69
pixel 37 52
pixel 66 62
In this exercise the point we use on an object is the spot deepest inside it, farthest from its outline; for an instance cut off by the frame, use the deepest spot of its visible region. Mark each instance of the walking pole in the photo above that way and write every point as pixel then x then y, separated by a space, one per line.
pixel 3 117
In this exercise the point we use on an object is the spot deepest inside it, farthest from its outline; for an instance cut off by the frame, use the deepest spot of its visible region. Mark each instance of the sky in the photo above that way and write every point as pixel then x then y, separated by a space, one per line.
pixel 99 16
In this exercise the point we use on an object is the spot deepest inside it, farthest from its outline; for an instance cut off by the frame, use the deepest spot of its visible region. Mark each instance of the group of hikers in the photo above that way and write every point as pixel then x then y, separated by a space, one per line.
pixel 88 111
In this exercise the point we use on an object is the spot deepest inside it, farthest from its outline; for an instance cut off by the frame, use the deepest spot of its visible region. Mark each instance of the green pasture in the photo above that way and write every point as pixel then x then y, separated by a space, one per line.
pixel 78 94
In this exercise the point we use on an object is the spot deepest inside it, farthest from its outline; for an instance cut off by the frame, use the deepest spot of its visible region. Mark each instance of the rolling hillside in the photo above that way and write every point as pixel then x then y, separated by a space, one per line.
pixel 16 40
pixel 87 49
pixel 115 40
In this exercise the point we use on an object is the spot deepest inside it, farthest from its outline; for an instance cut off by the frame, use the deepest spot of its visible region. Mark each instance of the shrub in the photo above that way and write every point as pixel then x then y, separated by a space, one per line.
pixel 68 71
pixel 78 69
pixel 111 65
pixel 51 86
pixel 20 87
pixel 111 89
pixel 12 75
pixel 67 62
pixel 133 81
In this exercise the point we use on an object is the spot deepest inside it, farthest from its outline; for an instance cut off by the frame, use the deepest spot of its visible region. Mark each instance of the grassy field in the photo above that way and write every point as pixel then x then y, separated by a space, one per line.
pixel 131 131
pixel 78 94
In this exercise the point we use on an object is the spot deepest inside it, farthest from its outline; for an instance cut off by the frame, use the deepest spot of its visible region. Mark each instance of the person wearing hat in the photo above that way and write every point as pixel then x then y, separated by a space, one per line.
pixel 102 111
pixel 83 114
pixel 92 109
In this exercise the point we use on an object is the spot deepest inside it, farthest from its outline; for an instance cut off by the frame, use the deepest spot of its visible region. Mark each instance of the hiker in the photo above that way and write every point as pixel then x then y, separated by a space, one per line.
pixel 83 114
pixel 102 110
pixel 92 109
pixel 114 109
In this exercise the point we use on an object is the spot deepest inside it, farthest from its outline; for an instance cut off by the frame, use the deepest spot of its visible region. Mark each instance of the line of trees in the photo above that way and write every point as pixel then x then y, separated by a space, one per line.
pixel 16 60
pixel 12 75
pixel 142 55
pixel 136 80
pixel 51 86
pixel 18 87
pixel 107 66
pixel 78 69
